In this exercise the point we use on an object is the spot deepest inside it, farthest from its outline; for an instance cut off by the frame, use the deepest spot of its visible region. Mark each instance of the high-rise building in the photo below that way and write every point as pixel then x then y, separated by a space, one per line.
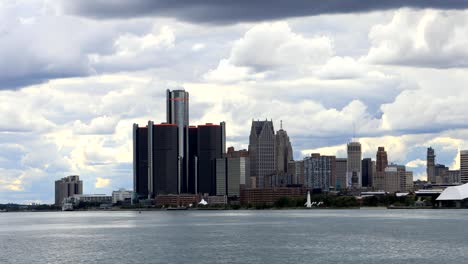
pixel 431 176
pixel 464 166
pixel 140 161
pixel 354 171
pixel 296 171
pixel 210 147
pixel 232 173
pixel 341 170
pixel 453 177
pixel 262 151
pixel 382 160
pixel 165 168
pixel 177 112
pixel 318 170
pixel 284 152
pixel 193 160
pixel 67 187
pixel 367 172
pixel 440 173
pixel 398 179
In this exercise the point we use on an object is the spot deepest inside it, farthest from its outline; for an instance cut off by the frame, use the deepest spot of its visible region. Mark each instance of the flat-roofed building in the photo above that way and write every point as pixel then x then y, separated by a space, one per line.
pixel 67 187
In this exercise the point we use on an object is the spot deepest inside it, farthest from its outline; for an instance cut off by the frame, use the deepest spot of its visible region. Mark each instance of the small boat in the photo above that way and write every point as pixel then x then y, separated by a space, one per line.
pixel 67 207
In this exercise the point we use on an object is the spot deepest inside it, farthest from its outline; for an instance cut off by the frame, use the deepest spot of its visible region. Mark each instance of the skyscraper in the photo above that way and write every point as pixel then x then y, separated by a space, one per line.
pixel 367 172
pixel 382 160
pixel 464 166
pixel 140 161
pixel 67 187
pixel 262 151
pixel 318 171
pixel 210 147
pixel 341 169
pixel 165 159
pixel 431 176
pixel 354 169
pixel 177 111
pixel 284 152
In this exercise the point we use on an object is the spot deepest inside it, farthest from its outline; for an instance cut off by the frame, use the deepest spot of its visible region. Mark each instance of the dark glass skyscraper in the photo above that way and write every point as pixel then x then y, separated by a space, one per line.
pixel 165 159
pixel 367 172
pixel 210 147
pixel 177 111
pixel 140 161
pixel 193 159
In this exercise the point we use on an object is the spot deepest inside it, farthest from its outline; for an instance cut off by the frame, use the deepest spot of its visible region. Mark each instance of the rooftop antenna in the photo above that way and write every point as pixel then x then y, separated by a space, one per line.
pixel 281 124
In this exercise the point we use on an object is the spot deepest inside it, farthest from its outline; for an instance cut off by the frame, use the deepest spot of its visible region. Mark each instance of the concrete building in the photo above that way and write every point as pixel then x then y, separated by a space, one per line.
pixel 262 151
pixel 430 161
pixel 464 166
pixel 66 187
pixel 406 184
pixel 296 170
pixel 318 171
pixel 392 179
pixel 121 195
pixel 89 198
pixel 341 171
pixel 232 174
pixel 270 195
pixel 378 182
pixel 284 152
pixel 440 172
pixel 354 165
pixel 453 177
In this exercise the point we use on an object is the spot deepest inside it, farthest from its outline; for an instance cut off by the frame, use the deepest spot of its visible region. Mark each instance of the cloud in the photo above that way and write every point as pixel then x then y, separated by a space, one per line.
pixel 102 182
pixel 416 163
pixel 429 38
pixel 206 11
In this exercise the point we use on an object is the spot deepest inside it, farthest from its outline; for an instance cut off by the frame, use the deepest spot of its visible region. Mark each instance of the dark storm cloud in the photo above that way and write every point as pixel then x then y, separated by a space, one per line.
pixel 228 11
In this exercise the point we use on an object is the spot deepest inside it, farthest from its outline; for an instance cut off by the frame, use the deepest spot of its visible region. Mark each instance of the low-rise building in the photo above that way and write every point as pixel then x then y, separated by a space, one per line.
pixel 89 198
pixel 270 195
pixel 121 195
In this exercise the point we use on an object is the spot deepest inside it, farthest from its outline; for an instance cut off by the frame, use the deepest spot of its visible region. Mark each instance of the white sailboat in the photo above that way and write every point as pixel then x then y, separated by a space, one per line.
pixel 308 204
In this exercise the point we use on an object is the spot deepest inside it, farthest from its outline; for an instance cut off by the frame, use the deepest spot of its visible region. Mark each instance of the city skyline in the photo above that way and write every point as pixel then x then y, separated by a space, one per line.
pixel 68 104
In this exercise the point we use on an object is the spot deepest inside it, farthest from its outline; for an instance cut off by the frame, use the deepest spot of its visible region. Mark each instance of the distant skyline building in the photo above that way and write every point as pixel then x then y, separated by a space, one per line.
pixel 177 112
pixel 341 171
pixel 464 166
pixel 430 161
pixel 318 171
pixel 262 152
pixel 296 171
pixel 284 152
pixel 165 168
pixel 140 161
pixel 67 187
pixel 378 181
pixel 367 172
pixel 354 165
pixel 232 173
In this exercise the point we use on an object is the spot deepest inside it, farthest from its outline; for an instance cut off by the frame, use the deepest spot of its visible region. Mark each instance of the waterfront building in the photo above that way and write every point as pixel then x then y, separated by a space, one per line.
pixel 165 169
pixel 121 195
pixel 270 195
pixel 232 173
pixel 464 166
pixel 453 177
pixel 140 161
pixel 354 165
pixel 66 187
pixel 89 198
pixel 177 112
pixel 193 160
pixel 210 147
pixel 341 171
pixel 430 161
pixel 454 196
pixel 262 151
pixel 318 170
pixel 367 172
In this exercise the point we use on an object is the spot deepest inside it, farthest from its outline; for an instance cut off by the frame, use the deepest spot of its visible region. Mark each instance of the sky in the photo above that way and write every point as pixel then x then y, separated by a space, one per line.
pixel 75 76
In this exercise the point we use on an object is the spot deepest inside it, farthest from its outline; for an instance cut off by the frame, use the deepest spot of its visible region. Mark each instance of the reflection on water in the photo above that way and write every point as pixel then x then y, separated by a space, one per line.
pixel 271 236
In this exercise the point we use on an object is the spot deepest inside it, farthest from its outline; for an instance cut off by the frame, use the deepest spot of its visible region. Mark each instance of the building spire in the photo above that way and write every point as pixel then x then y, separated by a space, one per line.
pixel 281 124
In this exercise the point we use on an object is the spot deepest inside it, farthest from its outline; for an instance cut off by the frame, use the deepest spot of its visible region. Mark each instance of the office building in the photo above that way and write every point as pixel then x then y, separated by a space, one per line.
pixel 341 171
pixel 94 199
pixel 378 181
pixel 397 179
pixel 140 161
pixel 232 174
pixel 284 153
pixel 296 171
pixel 210 147
pixel 406 181
pixel 453 177
pixel 318 170
pixel 66 187
pixel 165 169
pixel 262 151
pixel 464 166
pixel 354 169
pixel 367 172
pixel 177 112
pixel 430 161
pixel 193 160
pixel 440 172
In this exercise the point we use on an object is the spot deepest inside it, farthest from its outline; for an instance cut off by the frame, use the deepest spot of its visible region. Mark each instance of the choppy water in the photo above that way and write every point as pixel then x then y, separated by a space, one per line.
pixel 278 236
